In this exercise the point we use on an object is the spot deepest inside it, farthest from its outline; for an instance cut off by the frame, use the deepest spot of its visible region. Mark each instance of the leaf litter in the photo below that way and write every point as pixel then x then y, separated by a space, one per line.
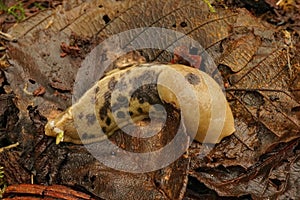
pixel 260 68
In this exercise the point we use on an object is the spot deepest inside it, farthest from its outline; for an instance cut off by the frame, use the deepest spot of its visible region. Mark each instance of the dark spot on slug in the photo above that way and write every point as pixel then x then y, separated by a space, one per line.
pixel 108 121
pixel 122 99
pixel 84 136
pixel 80 116
pixel 92 136
pixel 120 114
pixel 112 83
pixel 106 107
pixel 122 84
pixel 146 93
pixel 140 110
pixel 130 113
pixel 141 100
pixel 91 118
pixel 107 96
pixel 97 90
pixel 192 79
pixel 150 76
pixel 104 129
pixel 88 136
pixel 103 112
pixel 93 100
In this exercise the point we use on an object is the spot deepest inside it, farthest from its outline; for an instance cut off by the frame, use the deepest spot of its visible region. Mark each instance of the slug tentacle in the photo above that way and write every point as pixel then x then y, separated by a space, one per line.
pixel 126 96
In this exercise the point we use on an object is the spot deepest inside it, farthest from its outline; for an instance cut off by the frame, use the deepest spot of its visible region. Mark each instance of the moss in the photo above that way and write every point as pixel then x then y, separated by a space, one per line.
pixel 16 10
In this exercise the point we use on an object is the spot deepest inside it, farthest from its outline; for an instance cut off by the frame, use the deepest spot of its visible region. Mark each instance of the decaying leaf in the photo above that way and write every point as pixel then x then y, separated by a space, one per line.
pixel 260 69
pixel 31 191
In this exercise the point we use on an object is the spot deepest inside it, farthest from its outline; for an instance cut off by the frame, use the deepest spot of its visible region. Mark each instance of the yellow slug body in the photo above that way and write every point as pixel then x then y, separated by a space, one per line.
pixel 130 93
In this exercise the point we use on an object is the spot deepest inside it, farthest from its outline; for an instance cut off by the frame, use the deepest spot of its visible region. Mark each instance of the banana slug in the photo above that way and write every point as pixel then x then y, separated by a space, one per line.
pixel 109 109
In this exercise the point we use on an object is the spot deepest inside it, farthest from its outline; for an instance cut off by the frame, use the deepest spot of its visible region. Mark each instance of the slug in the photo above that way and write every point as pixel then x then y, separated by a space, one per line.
pixel 129 94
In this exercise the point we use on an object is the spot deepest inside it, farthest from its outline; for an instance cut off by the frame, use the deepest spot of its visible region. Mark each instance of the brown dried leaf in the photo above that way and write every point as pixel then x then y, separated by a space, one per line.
pixel 83 18
pixel 31 191
pixel 238 53
pixel 261 86
pixel 266 179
